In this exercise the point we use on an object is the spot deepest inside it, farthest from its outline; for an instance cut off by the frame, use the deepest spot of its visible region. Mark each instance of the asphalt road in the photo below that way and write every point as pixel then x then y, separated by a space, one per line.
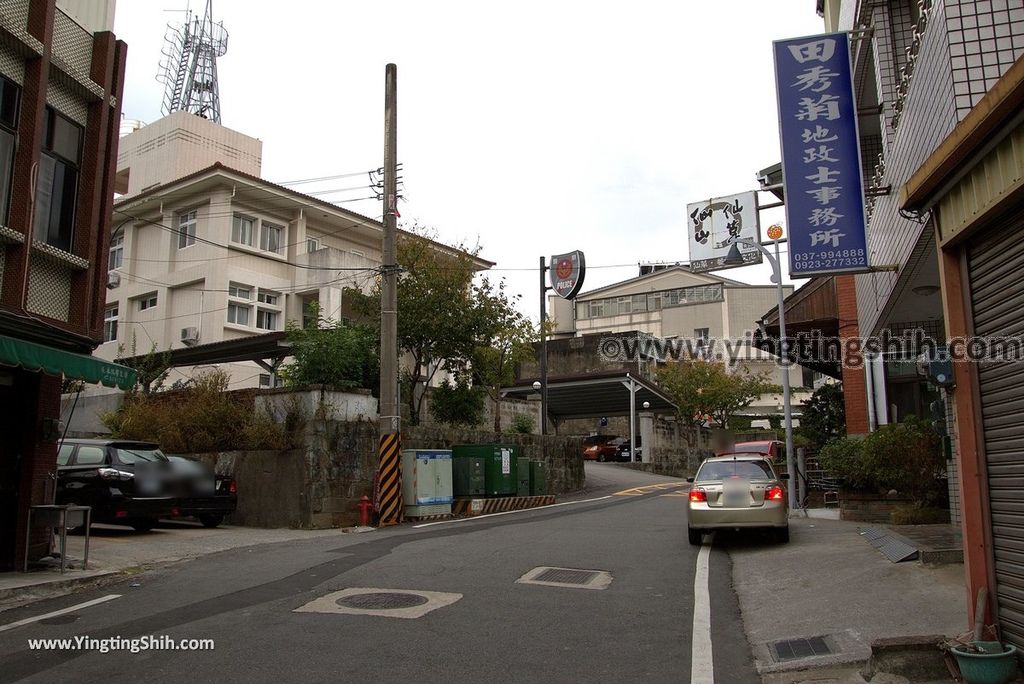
pixel 492 628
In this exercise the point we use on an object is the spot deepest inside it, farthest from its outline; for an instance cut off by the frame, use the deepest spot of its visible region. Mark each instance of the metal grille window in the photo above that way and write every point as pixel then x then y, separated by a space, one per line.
pixel 243 229
pixel 116 252
pixel 186 229
pixel 271 237
pixel 110 323
pixel 57 181
pixel 269 381
pixel 147 302
pixel 9 95
pixel 654 301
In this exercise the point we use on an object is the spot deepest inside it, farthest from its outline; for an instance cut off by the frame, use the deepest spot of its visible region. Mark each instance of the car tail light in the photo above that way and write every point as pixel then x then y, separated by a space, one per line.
pixel 175 511
pixel 698 496
pixel 774 494
pixel 232 487
pixel 121 514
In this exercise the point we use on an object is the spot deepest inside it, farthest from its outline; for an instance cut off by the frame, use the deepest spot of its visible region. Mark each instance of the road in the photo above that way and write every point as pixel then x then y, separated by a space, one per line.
pixel 484 625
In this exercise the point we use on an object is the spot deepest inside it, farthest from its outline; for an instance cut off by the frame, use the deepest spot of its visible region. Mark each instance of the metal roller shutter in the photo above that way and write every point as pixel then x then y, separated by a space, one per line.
pixel 996 276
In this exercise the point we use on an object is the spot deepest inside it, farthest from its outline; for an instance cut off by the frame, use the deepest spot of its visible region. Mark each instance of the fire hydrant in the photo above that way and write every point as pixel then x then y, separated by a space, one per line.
pixel 364 507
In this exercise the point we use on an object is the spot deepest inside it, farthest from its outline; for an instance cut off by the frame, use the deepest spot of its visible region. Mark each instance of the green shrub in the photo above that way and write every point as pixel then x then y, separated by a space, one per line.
pixel 522 424
pixel 200 418
pixel 457 404
pixel 843 459
pixel 914 515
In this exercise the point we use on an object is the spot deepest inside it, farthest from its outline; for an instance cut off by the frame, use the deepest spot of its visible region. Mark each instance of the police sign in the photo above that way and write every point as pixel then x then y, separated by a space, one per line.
pixel 566 273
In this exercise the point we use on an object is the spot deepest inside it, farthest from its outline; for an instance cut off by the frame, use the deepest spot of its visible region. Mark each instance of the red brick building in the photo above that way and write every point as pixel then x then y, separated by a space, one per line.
pixel 61 80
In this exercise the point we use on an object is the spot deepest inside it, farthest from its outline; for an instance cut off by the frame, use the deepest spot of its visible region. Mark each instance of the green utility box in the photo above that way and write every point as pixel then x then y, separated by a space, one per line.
pixel 538 478
pixel 468 474
pixel 522 476
pixel 500 469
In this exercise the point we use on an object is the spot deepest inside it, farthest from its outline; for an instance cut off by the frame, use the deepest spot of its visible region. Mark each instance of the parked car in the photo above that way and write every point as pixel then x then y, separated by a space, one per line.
pixel 740 490
pixel 125 482
pixel 205 495
pixel 601 447
pixel 624 450
pixel 773 449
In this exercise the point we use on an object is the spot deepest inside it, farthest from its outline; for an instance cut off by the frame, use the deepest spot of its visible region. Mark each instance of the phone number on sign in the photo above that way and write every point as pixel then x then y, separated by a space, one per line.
pixel 836 254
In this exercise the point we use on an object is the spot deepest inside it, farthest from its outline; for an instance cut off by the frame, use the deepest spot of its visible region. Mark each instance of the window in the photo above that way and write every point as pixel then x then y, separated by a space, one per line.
pixel 239 291
pixel 64 455
pixel 186 229
pixel 9 94
pixel 701 334
pixel 268 297
pixel 57 181
pixel 90 455
pixel 267 380
pixel 238 314
pixel 243 229
pixel 270 238
pixel 116 252
pixel 110 323
pixel 312 244
pixel 266 320
pixel 147 302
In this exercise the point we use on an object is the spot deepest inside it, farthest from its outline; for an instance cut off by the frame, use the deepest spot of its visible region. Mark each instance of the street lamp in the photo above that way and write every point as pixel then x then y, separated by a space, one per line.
pixel 734 258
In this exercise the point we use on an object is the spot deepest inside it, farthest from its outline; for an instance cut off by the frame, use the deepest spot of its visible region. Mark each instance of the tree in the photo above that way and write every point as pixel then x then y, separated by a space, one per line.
pixel 824 416
pixel 440 323
pixel 507 341
pixel 702 389
pixel 457 404
pixel 338 354
pixel 150 370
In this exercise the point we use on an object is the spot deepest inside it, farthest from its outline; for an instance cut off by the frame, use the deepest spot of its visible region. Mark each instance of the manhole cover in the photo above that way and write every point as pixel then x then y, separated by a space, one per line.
pixel 382 601
pixel 564 576
pixel 793 649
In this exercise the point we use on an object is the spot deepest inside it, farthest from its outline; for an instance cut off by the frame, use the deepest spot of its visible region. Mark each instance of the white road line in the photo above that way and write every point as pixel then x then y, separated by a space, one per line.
pixel 522 510
pixel 62 611
pixel 702 668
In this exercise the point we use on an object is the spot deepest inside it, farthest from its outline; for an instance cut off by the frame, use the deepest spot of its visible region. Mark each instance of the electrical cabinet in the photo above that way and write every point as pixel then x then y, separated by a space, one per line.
pixel 522 476
pixel 427 482
pixel 500 466
pixel 538 478
pixel 468 474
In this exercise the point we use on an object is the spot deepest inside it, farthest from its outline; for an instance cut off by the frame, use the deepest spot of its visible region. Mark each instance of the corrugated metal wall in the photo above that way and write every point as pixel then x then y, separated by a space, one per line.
pixel 995 263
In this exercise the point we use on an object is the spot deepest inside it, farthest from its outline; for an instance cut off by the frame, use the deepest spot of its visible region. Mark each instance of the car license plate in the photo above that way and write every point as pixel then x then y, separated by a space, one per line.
pixel 736 494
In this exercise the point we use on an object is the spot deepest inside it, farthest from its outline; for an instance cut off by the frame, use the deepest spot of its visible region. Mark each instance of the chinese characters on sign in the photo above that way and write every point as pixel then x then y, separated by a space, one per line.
pixel 714 226
pixel 820 156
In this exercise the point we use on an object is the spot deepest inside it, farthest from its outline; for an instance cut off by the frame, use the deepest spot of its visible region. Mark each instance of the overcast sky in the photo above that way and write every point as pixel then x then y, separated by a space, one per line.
pixel 532 127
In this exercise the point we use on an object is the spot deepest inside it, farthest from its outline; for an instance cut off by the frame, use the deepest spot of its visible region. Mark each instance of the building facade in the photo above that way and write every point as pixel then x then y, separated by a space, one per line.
pixel 939 89
pixel 61 81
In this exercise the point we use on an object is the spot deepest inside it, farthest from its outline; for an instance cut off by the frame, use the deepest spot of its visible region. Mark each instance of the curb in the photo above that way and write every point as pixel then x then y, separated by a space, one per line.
pixel 30 593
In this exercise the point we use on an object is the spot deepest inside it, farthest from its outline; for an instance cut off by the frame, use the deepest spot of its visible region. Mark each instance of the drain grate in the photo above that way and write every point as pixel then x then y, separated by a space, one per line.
pixel 572 578
pixel 566 576
pixel 792 649
pixel 889 545
pixel 382 601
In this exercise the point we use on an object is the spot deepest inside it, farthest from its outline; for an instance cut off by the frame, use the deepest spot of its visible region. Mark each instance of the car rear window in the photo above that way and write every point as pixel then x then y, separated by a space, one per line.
pixel 130 455
pixel 724 470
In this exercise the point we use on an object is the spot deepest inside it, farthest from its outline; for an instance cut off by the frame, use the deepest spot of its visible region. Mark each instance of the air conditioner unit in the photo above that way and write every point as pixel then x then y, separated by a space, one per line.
pixel 113 279
pixel 190 335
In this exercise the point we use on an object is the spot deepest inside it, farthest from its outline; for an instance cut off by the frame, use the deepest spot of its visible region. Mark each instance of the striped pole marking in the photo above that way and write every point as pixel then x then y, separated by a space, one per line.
pixel 389 503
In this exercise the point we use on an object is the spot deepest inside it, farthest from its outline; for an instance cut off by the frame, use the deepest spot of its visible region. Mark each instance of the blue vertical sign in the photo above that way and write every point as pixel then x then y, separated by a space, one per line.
pixel 821 166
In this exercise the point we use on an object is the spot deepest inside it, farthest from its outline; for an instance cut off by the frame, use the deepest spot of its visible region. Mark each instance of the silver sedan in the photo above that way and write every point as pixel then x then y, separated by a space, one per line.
pixel 737 491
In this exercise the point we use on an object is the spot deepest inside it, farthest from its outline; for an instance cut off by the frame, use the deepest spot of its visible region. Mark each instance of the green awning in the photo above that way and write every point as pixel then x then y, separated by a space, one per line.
pixel 35 357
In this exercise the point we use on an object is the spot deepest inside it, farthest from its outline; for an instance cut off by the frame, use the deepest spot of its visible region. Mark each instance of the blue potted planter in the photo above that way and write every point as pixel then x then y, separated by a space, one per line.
pixel 997 664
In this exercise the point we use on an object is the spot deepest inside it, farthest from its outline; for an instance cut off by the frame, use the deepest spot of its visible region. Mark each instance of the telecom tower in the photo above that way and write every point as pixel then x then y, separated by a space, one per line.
pixel 189 67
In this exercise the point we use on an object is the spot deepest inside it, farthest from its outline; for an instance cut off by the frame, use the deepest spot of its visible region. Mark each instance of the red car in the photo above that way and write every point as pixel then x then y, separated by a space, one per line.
pixel 601 447
pixel 773 449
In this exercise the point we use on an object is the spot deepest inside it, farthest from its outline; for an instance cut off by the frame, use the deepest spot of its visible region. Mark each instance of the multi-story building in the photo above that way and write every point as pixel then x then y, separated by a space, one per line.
pixel 705 310
pixel 940 87
pixel 61 80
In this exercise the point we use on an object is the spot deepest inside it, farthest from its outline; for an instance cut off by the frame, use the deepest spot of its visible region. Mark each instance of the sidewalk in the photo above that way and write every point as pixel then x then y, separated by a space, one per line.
pixel 118 551
pixel 829 582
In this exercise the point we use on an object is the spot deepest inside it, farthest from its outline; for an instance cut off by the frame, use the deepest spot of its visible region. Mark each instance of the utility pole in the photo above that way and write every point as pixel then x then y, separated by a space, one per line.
pixel 543 348
pixel 389 499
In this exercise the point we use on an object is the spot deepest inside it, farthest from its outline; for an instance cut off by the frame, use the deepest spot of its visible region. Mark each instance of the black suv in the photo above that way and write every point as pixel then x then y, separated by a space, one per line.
pixel 125 482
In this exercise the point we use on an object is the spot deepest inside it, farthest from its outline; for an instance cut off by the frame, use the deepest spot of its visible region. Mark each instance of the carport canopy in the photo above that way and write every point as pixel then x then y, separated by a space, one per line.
pixel 594 395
